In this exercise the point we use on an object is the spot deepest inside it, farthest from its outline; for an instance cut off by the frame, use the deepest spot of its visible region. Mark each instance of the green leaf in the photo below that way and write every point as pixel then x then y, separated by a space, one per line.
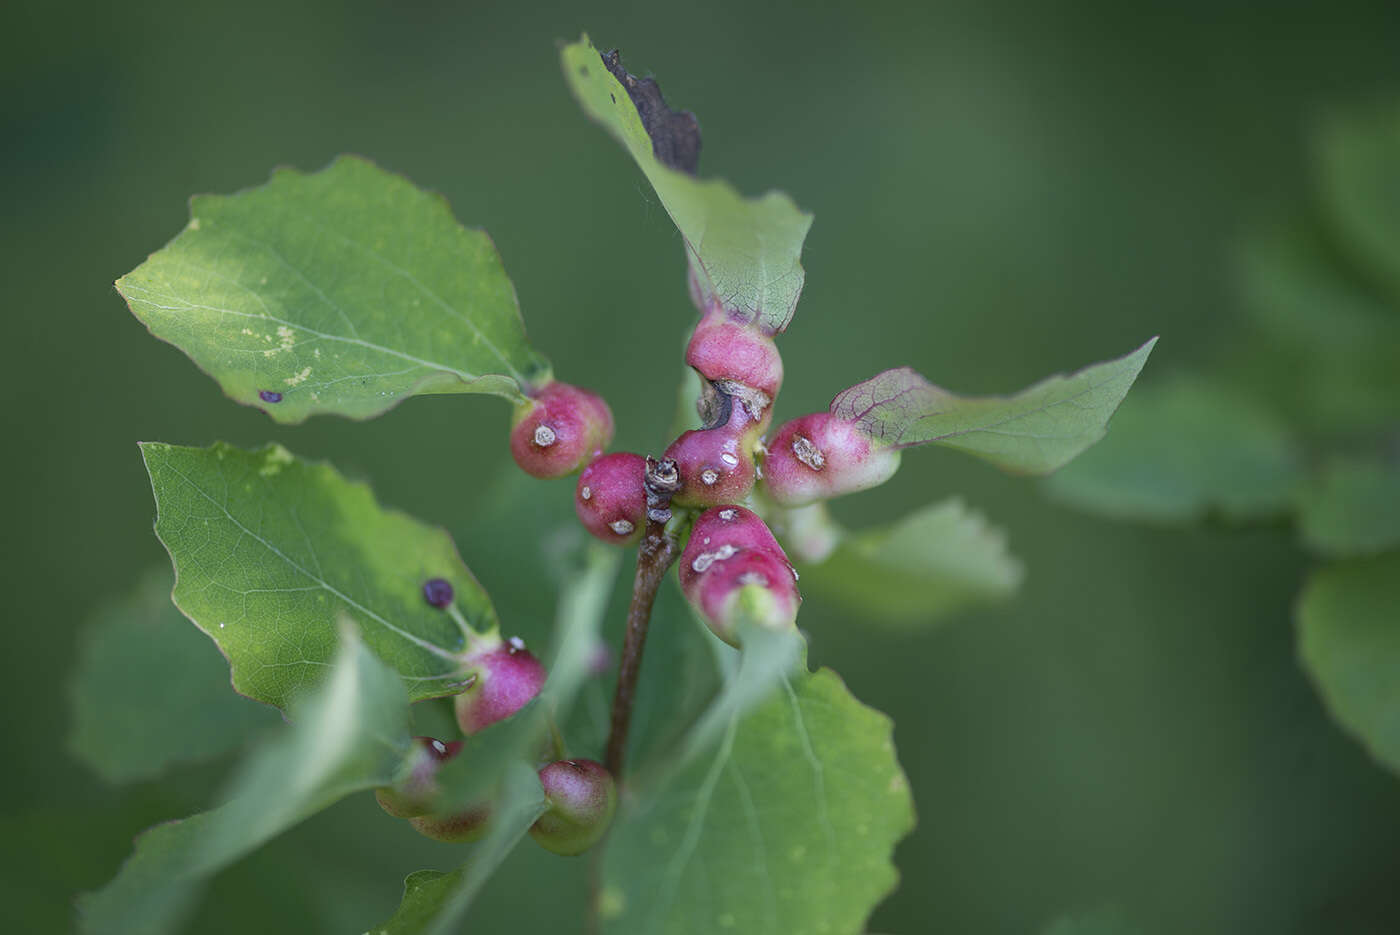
pixel 787 829
pixel 1349 641
pixel 345 291
pixel 1036 431
pixel 751 675
pixel 433 902
pixel 1182 450
pixel 1359 178
pixel 149 691
pixel 351 734
pixel 1352 508
pixel 271 550
pixel 932 562
pixel 743 252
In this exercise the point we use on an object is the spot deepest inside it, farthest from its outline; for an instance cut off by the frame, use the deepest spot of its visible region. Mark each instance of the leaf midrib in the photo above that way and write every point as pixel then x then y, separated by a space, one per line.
pixel 430 647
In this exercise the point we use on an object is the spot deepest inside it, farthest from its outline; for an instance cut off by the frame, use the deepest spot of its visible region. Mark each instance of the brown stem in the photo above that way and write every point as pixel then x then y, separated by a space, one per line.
pixel 654 557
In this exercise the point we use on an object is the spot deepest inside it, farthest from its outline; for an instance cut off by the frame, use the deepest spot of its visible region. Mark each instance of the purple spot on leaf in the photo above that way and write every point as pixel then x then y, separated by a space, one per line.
pixel 437 591
pixel 270 396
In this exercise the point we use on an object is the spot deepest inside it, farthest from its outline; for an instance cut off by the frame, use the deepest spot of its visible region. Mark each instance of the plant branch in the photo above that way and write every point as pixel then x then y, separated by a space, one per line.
pixel 654 556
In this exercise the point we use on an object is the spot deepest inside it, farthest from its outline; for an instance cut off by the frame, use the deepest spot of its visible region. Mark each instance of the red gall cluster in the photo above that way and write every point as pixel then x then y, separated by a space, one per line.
pixel 732 568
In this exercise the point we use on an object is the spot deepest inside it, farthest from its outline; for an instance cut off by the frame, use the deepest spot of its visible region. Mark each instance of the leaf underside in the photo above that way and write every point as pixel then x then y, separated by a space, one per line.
pixel 343 291
pixel 786 830
pixel 1035 431
pixel 270 550
pixel 743 252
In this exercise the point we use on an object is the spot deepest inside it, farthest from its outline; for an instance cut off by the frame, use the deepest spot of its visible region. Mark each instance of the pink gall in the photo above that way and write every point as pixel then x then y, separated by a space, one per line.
pixel 412 795
pixel 470 824
pixel 723 350
pixel 560 430
pixel 716 465
pixel 610 498
pixel 748 585
pixel 719 533
pixel 506 677
pixel 817 457
pixel 582 797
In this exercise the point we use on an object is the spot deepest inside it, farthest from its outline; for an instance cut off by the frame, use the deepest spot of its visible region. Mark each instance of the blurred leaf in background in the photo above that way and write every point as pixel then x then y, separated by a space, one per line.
pixel 933 561
pixel 149 691
pixel 1349 623
pixel 1183 450
pixel 998 188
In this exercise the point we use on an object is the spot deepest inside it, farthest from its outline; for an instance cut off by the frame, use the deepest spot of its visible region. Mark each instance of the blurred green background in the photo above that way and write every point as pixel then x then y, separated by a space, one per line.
pixel 1001 190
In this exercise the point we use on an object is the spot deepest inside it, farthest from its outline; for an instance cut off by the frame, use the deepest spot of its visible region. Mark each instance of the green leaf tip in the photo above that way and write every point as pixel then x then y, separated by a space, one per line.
pixel 343 291
pixel 744 253
pixel 270 551
pixel 1036 431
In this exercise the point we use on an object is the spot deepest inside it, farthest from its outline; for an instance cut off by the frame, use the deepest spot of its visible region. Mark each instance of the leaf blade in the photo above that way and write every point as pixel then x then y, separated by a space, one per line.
pixel 1182 450
pixel 744 253
pixel 269 550
pixel 343 291
pixel 1352 508
pixel 1349 642
pixel 805 795
pixel 930 563
pixel 1035 431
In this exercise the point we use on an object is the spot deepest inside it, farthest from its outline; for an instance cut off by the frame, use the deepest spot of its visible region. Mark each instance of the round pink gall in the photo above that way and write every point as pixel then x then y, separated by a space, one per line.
pixel 560 430
pixel 611 499
pixel 817 457
pixel 507 677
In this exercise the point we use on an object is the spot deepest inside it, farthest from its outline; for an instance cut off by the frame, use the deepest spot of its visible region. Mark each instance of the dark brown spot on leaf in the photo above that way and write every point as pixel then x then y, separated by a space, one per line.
pixel 675 135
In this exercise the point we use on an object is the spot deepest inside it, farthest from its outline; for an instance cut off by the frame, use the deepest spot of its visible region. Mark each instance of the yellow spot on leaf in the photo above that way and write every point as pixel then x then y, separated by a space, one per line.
pixel 273 461
pixel 286 339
